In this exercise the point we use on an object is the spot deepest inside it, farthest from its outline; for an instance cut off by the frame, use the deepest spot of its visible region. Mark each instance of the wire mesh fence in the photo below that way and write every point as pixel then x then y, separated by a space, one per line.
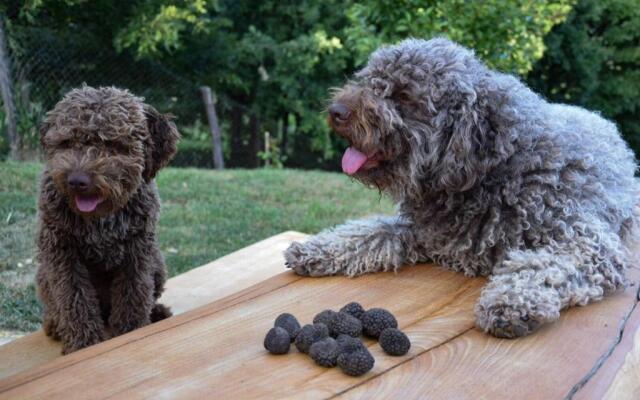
pixel 45 66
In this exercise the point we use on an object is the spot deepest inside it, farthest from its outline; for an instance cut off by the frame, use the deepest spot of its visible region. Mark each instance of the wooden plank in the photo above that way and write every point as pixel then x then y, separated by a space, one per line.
pixel 546 365
pixel 25 352
pixel 229 274
pixel 626 383
pixel 202 285
pixel 217 349
pixel 619 376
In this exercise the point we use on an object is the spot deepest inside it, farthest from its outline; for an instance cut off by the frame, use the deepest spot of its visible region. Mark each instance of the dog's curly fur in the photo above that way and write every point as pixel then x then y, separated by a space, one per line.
pixel 490 180
pixel 101 271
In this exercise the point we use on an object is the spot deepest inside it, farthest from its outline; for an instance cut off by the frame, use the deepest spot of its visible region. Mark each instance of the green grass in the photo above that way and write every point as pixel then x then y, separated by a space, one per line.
pixel 206 214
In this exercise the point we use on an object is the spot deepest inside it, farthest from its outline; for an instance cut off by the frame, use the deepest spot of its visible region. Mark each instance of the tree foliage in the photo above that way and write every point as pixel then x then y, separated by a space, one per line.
pixel 159 25
pixel 593 60
pixel 271 63
pixel 279 58
pixel 507 35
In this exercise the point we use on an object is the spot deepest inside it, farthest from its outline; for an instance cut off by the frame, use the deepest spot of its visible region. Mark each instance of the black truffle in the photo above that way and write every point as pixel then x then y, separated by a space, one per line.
pixel 289 323
pixel 324 317
pixel 309 334
pixel 277 341
pixel 343 323
pixel 394 342
pixel 349 344
pixel 354 309
pixel 375 320
pixel 357 363
pixel 325 352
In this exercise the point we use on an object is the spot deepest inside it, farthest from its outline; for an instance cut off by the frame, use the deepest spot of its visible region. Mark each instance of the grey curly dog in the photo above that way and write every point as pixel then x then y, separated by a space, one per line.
pixel 490 180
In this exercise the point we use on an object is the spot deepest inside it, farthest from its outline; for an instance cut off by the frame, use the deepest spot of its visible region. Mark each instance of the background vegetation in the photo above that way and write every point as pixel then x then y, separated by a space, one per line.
pixel 272 62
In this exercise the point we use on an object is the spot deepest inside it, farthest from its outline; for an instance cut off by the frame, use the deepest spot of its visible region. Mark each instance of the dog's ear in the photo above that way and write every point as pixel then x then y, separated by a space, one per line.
pixel 382 87
pixel 458 166
pixel 475 142
pixel 163 139
pixel 43 129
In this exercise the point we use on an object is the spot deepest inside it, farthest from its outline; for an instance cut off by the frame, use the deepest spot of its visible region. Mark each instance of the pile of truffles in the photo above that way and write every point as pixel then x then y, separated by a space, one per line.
pixel 334 337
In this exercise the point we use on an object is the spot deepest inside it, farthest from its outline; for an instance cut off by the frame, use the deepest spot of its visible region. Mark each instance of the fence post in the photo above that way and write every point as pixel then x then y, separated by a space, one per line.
pixel 267 148
pixel 254 140
pixel 214 127
pixel 7 97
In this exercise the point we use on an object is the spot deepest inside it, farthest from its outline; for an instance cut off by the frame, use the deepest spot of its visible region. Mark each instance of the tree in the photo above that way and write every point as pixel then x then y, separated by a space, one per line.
pixel 271 63
pixel 593 60
pixel 56 45
pixel 276 60
pixel 15 141
pixel 507 35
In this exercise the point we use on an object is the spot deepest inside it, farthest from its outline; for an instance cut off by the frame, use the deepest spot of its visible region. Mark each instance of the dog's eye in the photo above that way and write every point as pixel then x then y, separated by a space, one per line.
pixel 403 97
pixel 64 144
pixel 117 146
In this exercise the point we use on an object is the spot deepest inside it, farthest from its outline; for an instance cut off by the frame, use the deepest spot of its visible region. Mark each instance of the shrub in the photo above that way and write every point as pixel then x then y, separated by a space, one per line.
pixel 193 153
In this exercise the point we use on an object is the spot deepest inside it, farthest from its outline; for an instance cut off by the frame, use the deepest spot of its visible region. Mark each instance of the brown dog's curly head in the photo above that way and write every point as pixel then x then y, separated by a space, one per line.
pixel 101 144
pixel 417 114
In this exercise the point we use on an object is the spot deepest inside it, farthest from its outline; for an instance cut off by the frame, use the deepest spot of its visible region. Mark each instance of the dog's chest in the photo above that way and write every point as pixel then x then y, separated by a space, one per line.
pixel 106 242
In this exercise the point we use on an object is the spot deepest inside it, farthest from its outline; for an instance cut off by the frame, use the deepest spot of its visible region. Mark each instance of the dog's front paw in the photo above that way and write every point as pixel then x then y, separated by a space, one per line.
pixel 517 313
pixel 50 328
pixel 507 322
pixel 515 305
pixel 83 339
pixel 121 324
pixel 306 260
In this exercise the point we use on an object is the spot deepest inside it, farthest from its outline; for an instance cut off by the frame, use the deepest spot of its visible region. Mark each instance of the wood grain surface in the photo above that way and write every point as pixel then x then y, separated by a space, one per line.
pixel 550 364
pixel 199 286
pixel 216 351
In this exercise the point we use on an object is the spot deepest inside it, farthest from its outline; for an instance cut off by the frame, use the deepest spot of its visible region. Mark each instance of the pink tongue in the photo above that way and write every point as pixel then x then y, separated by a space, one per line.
pixel 87 203
pixel 352 160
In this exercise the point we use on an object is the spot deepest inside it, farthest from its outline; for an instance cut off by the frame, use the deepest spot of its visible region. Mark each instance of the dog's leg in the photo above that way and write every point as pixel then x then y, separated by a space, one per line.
pixel 159 274
pixel 355 248
pixel 72 308
pixel 531 287
pixel 50 311
pixel 132 291
pixel 159 311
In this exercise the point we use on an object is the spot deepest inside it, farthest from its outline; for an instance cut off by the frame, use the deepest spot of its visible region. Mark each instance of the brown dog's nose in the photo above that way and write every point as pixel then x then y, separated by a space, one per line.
pixel 78 181
pixel 339 112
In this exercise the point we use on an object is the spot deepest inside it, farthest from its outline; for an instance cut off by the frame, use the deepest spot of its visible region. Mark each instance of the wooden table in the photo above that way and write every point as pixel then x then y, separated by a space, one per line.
pixel 184 292
pixel 215 351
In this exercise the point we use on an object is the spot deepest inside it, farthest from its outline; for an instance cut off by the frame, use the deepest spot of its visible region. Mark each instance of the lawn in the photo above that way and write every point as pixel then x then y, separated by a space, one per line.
pixel 205 215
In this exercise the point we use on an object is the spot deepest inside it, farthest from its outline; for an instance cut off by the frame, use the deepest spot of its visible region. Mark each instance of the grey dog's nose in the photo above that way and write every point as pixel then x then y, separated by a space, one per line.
pixel 78 180
pixel 339 112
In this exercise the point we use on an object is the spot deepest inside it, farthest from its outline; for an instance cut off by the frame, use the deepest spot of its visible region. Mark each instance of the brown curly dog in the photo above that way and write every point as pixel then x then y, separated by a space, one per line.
pixel 100 265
